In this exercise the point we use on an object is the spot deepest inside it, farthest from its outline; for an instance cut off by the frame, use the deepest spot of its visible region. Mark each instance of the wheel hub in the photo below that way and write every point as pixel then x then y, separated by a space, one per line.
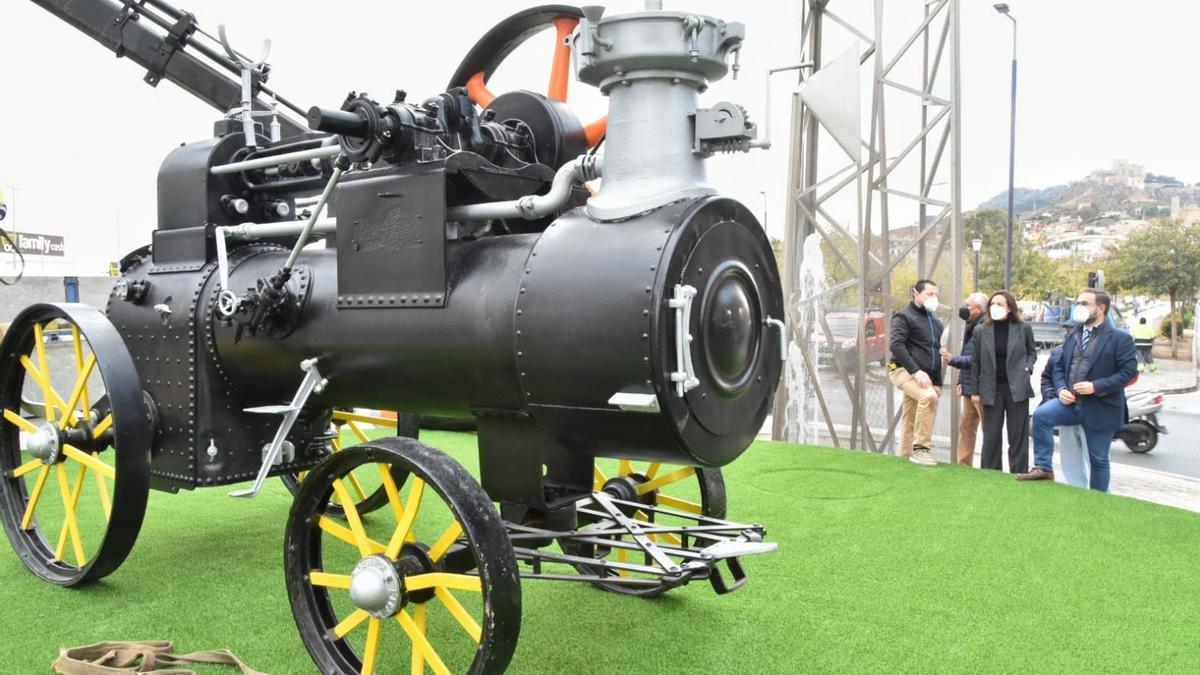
pixel 625 488
pixel 376 587
pixel 45 444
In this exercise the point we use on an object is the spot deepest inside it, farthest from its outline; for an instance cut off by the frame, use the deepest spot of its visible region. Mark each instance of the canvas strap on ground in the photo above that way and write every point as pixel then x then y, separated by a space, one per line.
pixel 148 657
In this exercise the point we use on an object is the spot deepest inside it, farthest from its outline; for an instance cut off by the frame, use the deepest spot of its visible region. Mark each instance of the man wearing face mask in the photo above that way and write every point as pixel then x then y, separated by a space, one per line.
pixel 1097 361
pixel 972 313
pixel 916 370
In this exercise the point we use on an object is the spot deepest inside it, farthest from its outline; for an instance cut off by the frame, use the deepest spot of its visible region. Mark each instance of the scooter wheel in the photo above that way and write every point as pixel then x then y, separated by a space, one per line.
pixel 1141 438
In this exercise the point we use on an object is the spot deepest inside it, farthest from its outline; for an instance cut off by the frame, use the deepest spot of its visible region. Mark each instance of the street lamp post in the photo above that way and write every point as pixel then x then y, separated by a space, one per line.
pixel 1012 145
pixel 764 196
pixel 976 245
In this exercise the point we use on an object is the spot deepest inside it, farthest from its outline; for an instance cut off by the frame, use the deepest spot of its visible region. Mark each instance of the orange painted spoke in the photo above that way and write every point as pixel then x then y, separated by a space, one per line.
pixel 459 612
pixel 418 661
pixel 560 68
pixel 27 467
pixel 478 92
pixel 356 526
pixel 652 471
pixel 601 479
pixel 393 492
pixel 69 523
pixel 357 431
pixel 680 504
pixel 445 541
pixel 462 582
pixel 371 649
pixel 421 643
pixel 91 461
pixel 666 479
pixel 337 530
pixel 102 426
pixel 21 423
pixel 404 527
pixel 105 500
pixel 34 497
pixel 350 623
pixel 85 371
pixel 329 580
pixel 624 467
pixel 78 344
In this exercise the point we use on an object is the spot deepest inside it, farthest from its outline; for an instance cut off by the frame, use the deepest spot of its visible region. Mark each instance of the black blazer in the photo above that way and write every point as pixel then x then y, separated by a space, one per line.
pixel 1022 355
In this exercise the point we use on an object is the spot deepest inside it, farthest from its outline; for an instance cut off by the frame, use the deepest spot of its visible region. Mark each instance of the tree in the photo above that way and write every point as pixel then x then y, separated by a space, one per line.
pixel 1163 259
pixel 1035 275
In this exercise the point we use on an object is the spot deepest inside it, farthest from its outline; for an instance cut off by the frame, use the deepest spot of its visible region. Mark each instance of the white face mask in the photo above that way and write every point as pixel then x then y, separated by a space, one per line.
pixel 998 313
pixel 1080 314
pixel 931 305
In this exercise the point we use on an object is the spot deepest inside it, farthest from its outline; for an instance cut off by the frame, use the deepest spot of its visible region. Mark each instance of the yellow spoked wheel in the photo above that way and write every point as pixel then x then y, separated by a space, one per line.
pixel 686 489
pixel 364 485
pixel 74 444
pixel 429 583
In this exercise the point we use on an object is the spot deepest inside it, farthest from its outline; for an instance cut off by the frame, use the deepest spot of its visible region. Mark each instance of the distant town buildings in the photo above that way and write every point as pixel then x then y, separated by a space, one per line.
pixel 1188 214
pixel 1122 173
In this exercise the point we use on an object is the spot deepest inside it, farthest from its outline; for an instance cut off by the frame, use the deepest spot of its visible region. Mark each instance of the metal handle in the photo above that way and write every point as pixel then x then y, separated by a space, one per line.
pixel 783 342
pixel 685 376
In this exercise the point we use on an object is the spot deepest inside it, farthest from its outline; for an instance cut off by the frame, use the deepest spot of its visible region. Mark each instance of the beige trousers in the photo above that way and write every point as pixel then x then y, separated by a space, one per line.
pixel 968 428
pixel 916 412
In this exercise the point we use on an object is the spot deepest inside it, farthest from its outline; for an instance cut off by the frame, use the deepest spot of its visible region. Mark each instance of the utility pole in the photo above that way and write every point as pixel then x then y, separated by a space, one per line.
pixel 1012 146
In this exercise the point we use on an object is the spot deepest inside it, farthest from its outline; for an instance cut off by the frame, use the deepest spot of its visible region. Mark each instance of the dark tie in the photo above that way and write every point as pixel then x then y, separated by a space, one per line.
pixel 1087 335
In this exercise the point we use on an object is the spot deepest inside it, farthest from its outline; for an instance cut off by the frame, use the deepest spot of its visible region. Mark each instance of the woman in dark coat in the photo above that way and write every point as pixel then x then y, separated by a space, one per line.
pixel 1005 355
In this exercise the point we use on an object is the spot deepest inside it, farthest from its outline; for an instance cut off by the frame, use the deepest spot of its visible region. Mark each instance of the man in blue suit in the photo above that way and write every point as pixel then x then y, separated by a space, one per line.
pixel 1097 361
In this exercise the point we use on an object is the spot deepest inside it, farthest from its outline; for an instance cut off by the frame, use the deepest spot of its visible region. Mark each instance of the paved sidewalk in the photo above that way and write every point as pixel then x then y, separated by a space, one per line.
pixel 1172 376
pixel 1169 489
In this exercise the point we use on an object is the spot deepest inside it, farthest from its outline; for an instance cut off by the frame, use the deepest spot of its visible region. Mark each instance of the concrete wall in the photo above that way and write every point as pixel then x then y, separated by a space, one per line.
pixel 92 291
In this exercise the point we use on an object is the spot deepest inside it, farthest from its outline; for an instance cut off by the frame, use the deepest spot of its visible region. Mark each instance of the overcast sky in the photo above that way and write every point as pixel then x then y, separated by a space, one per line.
pixel 81 136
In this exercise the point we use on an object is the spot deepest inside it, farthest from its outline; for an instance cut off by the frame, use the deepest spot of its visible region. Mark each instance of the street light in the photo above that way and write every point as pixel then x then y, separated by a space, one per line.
pixel 1012 145
pixel 764 196
pixel 976 244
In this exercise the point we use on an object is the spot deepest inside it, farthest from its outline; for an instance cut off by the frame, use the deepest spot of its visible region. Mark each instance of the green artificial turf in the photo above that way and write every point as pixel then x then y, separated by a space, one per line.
pixel 883 566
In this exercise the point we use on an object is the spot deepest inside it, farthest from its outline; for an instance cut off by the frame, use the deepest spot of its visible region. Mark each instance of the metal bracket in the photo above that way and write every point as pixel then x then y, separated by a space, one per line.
pixel 783 341
pixel 176 38
pixel 685 376
pixel 252 73
pixel 312 383
pixel 635 531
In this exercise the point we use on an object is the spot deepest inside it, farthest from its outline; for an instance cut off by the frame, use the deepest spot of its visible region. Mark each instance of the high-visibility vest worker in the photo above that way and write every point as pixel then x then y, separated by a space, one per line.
pixel 1143 333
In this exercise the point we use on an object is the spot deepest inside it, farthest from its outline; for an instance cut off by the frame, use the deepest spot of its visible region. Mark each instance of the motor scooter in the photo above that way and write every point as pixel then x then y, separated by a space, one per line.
pixel 1140 434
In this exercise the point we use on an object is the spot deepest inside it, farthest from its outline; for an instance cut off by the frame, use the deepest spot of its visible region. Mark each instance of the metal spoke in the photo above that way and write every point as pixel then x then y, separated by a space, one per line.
pixel 680 504
pixel 652 470
pixel 666 479
pixel 72 518
pixel 102 426
pixel 335 529
pixel 624 467
pixel 393 492
pixel 357 431
pixel 22 423
pixel 350 623
pixel 371 650
pixel 358 488
pixel 39 347
pixel 329 580
pixel 421 643
pixel 418 661
pixel 560 66
pixel 91 461
pixel 78 344
pixel 105 500
pixel 462 582
pixel 27 467
pixel 601 479
pixel 35 497
pixel 356 526
pixel 459 612
pixel 51 396
pixel 404 527
pixel 69 516
pixel 80 386
pixel 445 541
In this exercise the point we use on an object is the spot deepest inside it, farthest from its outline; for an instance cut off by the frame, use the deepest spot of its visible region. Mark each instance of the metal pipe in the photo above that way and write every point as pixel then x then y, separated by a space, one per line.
pixel 579 170
pixel 765 141
pixel 256 231
pixel 276 160
pixel 341 164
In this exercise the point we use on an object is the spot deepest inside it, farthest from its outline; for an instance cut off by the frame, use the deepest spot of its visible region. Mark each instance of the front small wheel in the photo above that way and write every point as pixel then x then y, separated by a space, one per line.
pixel 433 578
pixel 1143 439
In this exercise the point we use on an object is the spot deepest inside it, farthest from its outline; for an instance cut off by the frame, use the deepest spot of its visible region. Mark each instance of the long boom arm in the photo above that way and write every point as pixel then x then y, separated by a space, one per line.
pixel 163 40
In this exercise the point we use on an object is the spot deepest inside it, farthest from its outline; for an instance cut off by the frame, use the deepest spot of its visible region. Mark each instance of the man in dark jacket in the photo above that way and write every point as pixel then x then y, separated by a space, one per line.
pixel 916 370
pixel 972 411
pixel 1090 375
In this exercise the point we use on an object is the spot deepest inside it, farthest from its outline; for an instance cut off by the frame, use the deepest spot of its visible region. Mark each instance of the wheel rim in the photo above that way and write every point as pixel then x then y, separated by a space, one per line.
pixel 408 588
pixel 491 50
pixel 91 444
pixel 691 490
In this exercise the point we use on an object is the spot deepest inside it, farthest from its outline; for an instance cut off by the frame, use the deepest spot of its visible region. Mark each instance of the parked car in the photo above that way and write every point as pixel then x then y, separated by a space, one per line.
pixel 843 326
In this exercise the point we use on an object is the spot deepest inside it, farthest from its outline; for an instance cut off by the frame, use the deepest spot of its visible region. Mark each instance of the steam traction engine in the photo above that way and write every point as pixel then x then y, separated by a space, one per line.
pixel 453 263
